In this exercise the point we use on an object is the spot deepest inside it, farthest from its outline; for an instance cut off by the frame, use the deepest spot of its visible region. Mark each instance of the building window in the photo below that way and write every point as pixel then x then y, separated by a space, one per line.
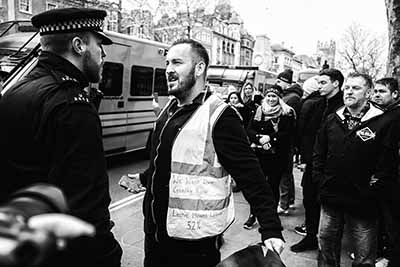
pixel 111 81
pixel 232 49
pixel 25 6
pixel 141 81
pixel 223 46
pixel 50 6
pixel 275 59
pixel 160 83
pixel 113 21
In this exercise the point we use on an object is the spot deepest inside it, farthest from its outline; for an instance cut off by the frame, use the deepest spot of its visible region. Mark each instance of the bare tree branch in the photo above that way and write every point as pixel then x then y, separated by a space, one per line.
pixel 362 51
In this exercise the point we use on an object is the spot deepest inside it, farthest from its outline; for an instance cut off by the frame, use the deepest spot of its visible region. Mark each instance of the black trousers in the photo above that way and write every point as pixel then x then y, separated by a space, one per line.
pixel 101 250
pixel 311 203
pixel 178 253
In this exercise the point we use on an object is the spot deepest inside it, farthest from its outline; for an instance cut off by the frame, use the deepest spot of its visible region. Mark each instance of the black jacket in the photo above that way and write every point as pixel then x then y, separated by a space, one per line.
pixel 52 133
pixel 235 155
pixel 314 110
pixel 345 160
pixel 280 140
pixel 292 97
pixel 248 112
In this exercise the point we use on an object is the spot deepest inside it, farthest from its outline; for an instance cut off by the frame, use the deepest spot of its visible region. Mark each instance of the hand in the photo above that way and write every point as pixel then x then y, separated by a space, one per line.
pixel 61 225
pixel 131 183
pixel 275 244
pixel 373 180
pixel 264 139
pixel 156 107
pixel 266 146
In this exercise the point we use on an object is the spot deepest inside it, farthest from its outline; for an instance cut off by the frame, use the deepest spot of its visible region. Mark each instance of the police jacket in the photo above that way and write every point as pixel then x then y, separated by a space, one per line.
pixel 52 133
pixel 344 161
pixel 234 154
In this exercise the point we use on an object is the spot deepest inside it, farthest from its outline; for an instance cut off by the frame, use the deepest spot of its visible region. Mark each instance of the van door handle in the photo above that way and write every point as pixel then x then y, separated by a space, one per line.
pixel 120 104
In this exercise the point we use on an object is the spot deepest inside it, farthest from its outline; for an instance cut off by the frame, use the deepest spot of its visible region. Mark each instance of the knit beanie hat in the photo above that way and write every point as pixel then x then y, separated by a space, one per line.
pixel 286 76
pixel 276 89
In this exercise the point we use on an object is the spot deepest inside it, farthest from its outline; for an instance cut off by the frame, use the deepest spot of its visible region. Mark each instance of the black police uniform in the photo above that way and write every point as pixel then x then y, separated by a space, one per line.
pixel 51 132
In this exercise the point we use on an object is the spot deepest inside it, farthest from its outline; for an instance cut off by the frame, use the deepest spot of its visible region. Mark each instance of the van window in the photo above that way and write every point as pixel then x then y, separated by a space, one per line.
pixel 111 81
pixel 160 83
pixel 141 81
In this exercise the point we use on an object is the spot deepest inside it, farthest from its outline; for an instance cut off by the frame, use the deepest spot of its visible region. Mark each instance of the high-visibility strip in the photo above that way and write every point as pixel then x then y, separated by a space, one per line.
pixel 193 204
pixel 202 170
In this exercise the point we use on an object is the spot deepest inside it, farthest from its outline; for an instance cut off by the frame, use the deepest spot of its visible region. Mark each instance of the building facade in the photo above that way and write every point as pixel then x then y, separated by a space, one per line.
pixel 282 58
pixel 247 43
pixel 219 31
pixel 326 53
pixel 262 56
pixel 25 9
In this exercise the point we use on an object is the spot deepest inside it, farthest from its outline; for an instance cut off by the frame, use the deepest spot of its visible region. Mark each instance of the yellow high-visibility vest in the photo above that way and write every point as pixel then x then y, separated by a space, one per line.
pixel 200 196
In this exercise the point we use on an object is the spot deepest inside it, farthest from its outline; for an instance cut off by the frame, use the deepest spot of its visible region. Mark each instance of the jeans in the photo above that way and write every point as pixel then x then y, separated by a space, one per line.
pixel 363 232
pixel 287 185
pixel 178 253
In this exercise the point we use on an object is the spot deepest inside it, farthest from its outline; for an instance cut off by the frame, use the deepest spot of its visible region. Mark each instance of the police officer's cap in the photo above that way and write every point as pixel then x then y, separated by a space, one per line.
pixel 66 20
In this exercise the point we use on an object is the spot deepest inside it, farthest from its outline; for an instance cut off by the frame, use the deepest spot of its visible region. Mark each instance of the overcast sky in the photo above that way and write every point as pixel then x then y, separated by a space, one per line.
pixel 301 23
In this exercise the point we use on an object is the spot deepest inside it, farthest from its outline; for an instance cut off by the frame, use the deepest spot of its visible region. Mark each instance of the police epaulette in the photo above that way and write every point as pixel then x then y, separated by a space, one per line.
pixel 80 98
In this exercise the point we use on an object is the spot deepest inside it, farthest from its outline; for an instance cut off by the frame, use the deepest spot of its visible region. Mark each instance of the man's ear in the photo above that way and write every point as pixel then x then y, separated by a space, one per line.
pixel 78 45
pixel 200 68
pixel 336 83
pixel 395 94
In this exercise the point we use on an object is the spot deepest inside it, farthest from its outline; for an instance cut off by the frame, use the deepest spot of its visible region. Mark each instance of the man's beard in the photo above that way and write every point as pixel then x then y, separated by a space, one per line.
pixel 90 68
pixel 184 86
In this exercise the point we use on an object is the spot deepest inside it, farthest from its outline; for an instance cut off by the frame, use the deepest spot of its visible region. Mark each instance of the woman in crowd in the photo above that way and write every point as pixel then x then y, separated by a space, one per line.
pixel 271 132
pixel 235 101
pixel 251 101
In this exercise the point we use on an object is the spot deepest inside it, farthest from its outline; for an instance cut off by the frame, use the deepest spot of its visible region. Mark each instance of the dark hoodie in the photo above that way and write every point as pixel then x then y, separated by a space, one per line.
pixel 292 97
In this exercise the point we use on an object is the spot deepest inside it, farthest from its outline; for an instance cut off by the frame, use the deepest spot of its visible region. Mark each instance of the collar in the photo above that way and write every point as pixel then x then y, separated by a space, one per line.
pixel 371 113
pixel 393 105
pixel 199 99
pixel 60 64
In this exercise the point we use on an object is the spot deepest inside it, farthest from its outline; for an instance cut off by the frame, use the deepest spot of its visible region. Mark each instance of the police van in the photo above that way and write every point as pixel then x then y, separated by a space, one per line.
pixel 133 74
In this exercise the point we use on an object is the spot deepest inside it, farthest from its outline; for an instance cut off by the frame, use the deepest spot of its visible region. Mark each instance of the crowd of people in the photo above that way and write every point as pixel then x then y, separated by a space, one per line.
pixel 346 132
pixel 345 129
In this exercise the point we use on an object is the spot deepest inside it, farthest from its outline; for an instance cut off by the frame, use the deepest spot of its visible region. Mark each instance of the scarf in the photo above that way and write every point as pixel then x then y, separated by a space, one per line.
pixel 353 121
pixel 268 111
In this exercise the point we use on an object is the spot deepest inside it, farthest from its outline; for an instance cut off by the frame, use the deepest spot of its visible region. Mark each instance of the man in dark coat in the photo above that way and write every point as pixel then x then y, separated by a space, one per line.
pixel 52 132
pixel 386 95
pixel 315 109
pixel 292 94
pixel 354 146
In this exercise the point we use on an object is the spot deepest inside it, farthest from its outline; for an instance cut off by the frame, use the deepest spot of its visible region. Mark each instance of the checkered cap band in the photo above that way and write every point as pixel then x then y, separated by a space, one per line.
pixel 93 24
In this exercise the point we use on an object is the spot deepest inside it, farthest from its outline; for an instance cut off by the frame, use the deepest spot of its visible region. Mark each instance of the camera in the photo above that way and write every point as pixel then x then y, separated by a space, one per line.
pixel 20 245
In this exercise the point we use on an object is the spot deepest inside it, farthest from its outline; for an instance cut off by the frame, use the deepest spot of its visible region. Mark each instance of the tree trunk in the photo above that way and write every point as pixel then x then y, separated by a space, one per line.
pixel 393 18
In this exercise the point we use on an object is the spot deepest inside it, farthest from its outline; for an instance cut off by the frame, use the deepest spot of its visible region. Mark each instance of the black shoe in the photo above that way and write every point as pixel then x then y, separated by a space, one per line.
pixel 307 243
pixel 301 230
pixel 251 221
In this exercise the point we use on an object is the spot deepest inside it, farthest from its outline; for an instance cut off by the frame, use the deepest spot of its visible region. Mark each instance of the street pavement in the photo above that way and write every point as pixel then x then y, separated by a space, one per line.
pixel 129 231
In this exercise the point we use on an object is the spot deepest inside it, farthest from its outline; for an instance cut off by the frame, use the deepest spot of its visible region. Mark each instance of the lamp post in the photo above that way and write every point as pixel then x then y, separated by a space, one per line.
pixel 187 28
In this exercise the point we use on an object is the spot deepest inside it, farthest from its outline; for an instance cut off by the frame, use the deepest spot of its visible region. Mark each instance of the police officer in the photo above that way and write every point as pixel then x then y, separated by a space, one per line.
pixel 51 132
